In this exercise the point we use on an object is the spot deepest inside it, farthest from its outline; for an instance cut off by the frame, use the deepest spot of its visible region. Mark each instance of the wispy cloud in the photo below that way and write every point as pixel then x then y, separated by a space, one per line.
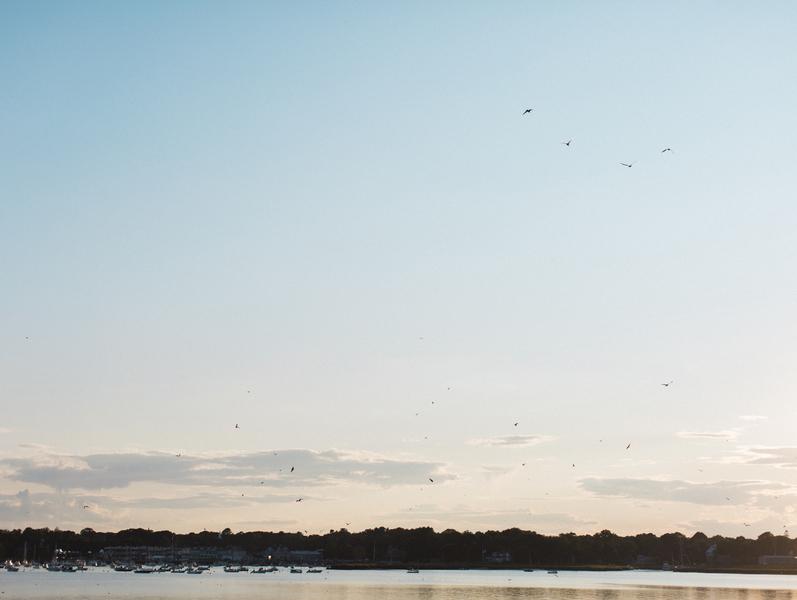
pixel 271 469
pixel 727 434
pixel 785 457
pixel 714 493
pixel 511 441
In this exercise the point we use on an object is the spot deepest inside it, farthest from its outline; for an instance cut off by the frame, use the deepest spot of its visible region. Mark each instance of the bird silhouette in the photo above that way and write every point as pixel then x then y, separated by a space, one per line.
pixel 85 506
pixel 668 384
pixel 236 426
pixel 299 500
pixel 527 111
pixel 629 165
pixel 567 143
pixel 666 150
pixel 516 423
pixel 628 446
pixel 431 480
pixel 292 469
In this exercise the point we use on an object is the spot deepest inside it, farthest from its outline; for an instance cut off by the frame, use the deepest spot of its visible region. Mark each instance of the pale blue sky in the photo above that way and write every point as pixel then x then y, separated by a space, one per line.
pixel 248 212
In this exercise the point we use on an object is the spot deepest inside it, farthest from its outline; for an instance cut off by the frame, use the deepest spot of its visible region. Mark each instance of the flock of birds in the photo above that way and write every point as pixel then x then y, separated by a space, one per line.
pixel 568 142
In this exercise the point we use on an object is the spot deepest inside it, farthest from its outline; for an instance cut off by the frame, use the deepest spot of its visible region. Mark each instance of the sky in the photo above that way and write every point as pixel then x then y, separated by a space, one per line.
pixel 332 225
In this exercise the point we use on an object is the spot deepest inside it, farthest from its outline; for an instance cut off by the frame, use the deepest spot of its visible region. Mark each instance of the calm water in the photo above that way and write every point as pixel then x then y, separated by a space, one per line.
pixel 396 585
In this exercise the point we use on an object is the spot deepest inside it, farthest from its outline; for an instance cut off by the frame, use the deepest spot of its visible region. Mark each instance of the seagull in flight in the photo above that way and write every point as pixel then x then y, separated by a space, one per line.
pixel 629 165
pixel 567 143
pixel 292 468
pixel 527 111
pixel 85 506
pixel 516 423
pixel 300 499
pixel 628 446
pixel 666 150
pixel 236 426
pixel 668 384
pixel 431 480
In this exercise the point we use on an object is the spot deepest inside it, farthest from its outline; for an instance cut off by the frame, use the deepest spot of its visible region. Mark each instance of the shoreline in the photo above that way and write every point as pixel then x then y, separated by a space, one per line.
pixel 739 570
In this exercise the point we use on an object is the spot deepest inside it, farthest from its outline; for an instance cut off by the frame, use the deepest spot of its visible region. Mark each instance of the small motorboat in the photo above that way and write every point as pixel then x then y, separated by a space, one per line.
pixel 413 571
pixel 315 570
pixel 295 570
pixel 144 570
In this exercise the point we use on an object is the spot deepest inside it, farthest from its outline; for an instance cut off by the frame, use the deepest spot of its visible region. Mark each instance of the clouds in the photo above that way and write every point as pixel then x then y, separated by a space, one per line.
pixel 669 490
pixel 511 441
pixel 785 457
pixel 231 470
pixel 728 434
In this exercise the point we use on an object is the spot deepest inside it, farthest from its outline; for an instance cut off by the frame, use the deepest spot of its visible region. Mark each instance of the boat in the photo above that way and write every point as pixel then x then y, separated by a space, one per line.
pixel 528 570
pixel 229 569
pixel 413 571
pixel 144 570
pixel 12 568
pixel 179 569
pixel 54 568
pixel 295 570
pixel 553 572
pixel 120 568
pixel 315 570
pixel 69 569
pixel 193 571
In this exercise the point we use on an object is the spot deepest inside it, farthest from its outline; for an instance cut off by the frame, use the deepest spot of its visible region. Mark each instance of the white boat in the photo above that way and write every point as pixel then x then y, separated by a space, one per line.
pixel 144 570
pixel 553 572
pixel 295 570
pixel 315 570
pixel 12 568
pixel 413 571
pixel 120 568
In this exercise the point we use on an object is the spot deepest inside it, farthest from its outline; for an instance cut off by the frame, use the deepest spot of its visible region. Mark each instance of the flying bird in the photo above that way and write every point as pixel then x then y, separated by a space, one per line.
pixel 516 423
pixel 628 446
pixel 300 499
pixel 666 150
pixel 179 454
pixel 667 384
pixel 527 111
pixel 431 480
pixel 746 524
pixel 292 469
pixel 236 426
pixel 567 143
pixel 629 165
pixel 85 506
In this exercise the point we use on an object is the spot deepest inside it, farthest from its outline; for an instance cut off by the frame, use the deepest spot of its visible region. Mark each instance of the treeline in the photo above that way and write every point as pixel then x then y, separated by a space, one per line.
pixel 422 545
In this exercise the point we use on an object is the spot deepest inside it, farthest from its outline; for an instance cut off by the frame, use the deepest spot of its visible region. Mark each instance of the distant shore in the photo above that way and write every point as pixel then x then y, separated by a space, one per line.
pixel 737 570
